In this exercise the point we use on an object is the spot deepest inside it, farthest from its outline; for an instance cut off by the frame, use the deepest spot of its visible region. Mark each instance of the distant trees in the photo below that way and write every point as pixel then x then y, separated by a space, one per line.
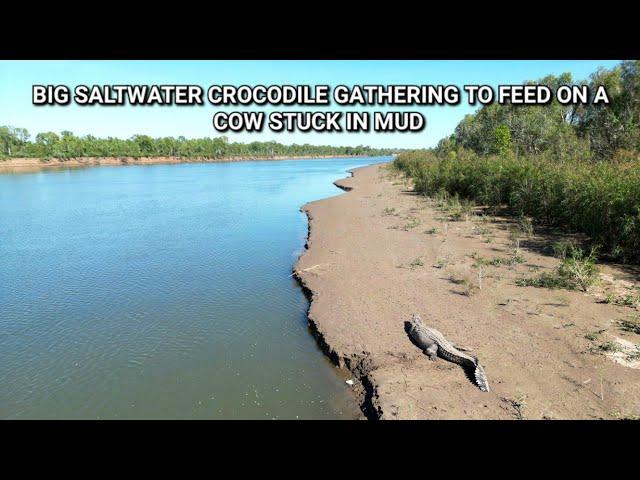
pixel 593 131
pixel 12 139
pixel 576 167
pixel 45 146
pixel 14 142
pixel 614 127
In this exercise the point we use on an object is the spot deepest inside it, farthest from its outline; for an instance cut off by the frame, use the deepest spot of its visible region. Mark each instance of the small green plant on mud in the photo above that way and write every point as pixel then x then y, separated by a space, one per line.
pixel 480 277
pixel 516 260
pixel 514 238
pixel 463 211
pixel 592 336
pixel 545 280
pixel 467 208
pixel 608 347
pixel 389 212
pixel 629 300
pixel 510 261
pixel 451 203
pixel 633 355
pixel 479 259
pixel 484 219
pixel 604 347
pixel 563 248
pixel 469 287
pixel 525 226
pixel 441 198
pixel 519 405
pixel 481 230
pixel 416 262
pixel 496 261
pixel 618 416
pixel 411 224
pixel 631 325
pixel 480 264
pixel 431 231
pixel 442 262
pixel 576 270
pixel 458 209
pixel 579 268
pixel 420 206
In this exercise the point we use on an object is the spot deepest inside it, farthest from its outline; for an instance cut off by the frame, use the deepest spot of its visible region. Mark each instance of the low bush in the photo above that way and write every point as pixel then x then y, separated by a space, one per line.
pixel 599 199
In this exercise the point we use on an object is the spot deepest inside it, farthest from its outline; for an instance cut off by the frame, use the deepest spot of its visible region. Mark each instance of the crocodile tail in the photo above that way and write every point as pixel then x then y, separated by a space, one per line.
pixel 481 378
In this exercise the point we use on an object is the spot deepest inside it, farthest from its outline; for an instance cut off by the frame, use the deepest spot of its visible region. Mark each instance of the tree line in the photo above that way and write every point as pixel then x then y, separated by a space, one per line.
pixel 572 167
pixel 589 132
pixel 16 142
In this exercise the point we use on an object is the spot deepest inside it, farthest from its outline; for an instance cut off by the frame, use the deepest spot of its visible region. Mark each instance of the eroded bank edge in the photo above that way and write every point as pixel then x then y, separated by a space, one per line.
pixel 359 365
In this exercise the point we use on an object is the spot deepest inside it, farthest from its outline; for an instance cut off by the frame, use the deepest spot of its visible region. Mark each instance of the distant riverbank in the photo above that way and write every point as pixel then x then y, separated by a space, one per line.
pixel 37 163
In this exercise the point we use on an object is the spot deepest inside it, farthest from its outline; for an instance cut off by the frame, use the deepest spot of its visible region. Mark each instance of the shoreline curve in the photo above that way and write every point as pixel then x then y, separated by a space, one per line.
pixel 365 390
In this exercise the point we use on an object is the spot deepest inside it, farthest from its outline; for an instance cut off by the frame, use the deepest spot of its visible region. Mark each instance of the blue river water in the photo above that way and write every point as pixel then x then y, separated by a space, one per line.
pixel 162 291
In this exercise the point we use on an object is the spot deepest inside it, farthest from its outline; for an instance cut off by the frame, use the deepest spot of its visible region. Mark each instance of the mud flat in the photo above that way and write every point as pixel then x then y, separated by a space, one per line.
pixel 379 253
pixel 34 164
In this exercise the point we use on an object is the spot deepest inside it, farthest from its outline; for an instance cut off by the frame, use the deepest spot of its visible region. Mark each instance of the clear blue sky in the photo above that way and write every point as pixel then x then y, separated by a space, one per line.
pixel 17 77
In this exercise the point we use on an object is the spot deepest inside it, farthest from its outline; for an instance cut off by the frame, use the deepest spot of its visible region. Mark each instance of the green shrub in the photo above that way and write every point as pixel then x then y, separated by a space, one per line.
pixel 599 199
pixel 579 269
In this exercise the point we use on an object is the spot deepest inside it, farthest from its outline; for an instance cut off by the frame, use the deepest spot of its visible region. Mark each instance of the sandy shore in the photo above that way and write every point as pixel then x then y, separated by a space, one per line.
pixel 379 253
pixel 31 164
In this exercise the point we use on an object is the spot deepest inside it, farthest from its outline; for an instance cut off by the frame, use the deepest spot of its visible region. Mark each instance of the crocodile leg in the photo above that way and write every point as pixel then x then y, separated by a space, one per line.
pixel 432 351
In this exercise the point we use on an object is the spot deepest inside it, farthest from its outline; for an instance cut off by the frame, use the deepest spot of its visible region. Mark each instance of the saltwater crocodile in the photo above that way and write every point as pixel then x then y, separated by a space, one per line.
pixel 433 343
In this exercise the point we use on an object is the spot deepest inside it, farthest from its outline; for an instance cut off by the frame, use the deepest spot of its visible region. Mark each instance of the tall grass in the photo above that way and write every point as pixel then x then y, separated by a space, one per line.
pixel 599 199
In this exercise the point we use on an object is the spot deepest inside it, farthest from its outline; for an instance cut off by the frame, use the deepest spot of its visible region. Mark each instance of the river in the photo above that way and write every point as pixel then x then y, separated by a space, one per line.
pixel 163 292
